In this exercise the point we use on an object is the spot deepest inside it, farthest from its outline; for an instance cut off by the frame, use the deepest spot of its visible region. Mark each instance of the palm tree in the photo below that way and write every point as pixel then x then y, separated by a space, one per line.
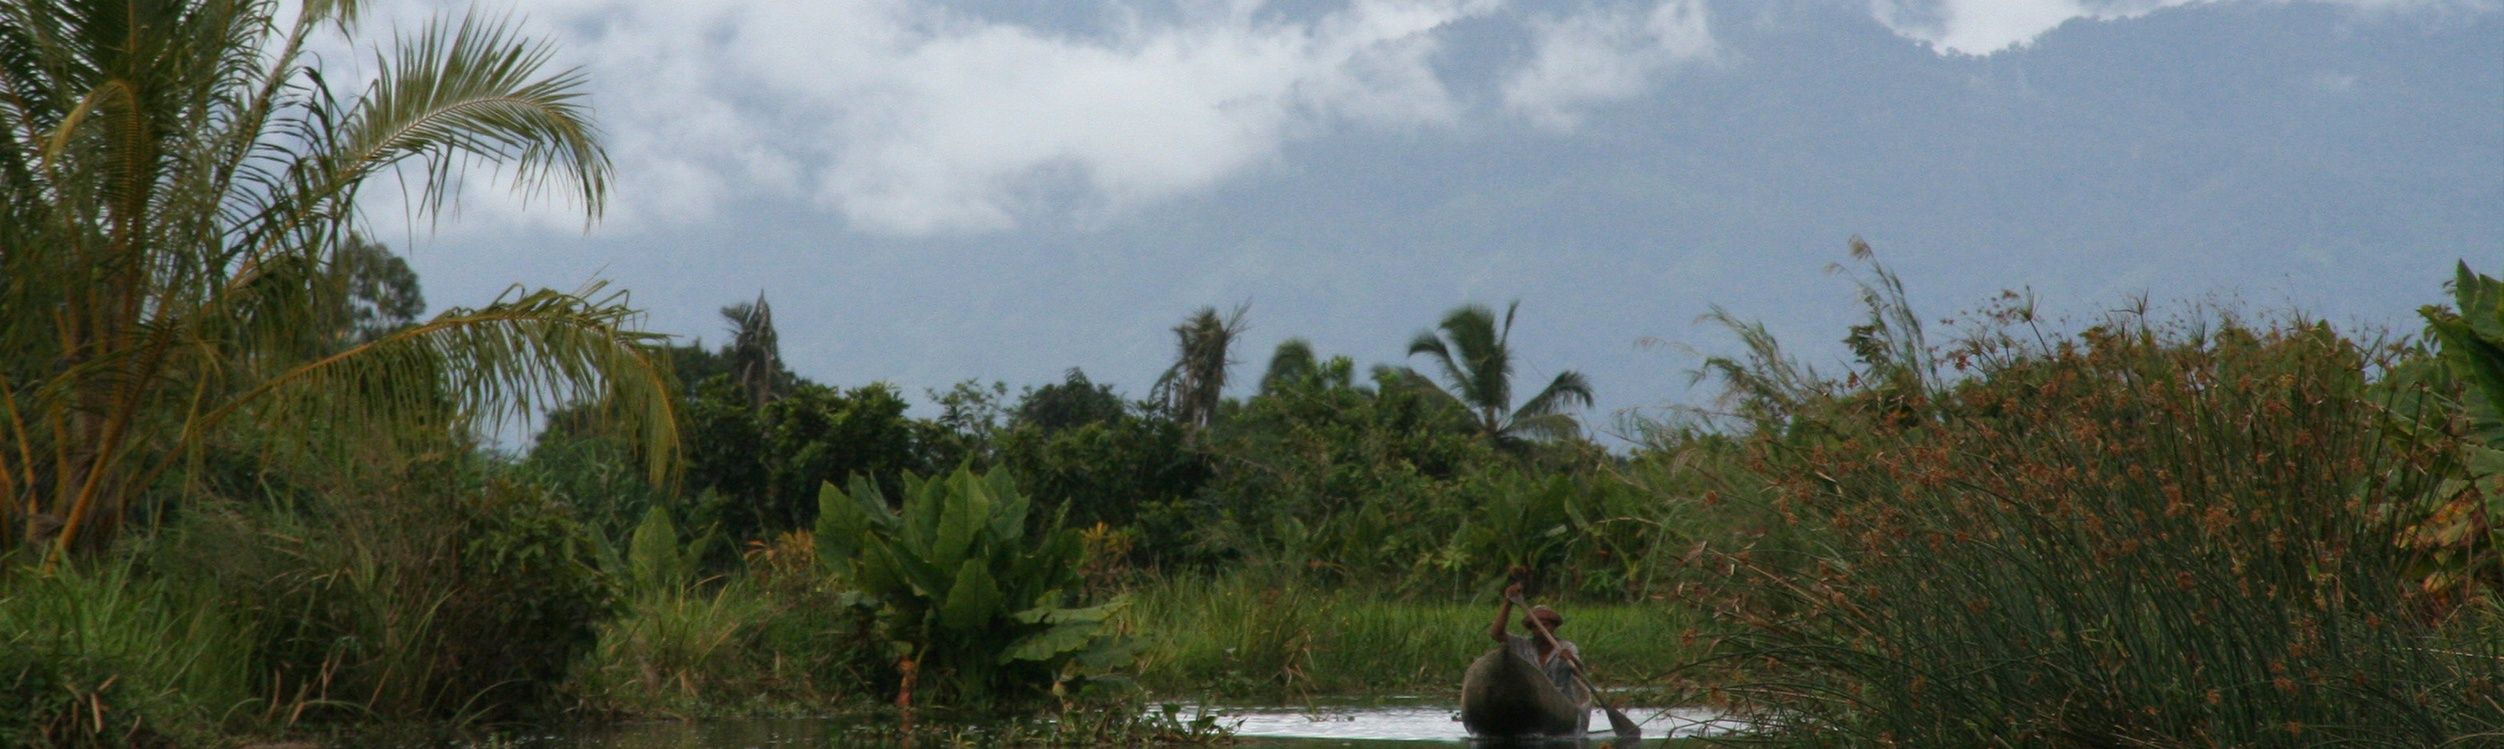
pixel 1195 384
pixel 1476 358
pixel 755 352
pixel 177 181
pixel 1293 361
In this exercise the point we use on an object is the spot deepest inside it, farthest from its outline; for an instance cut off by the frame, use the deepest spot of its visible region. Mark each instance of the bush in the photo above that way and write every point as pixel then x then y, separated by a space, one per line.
pixel 526 598
pixel 974 606
pixel 439 594
pixel 766 464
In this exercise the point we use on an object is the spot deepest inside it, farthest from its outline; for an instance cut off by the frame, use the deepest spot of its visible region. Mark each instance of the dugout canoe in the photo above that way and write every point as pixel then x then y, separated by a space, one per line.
pixel 1504 696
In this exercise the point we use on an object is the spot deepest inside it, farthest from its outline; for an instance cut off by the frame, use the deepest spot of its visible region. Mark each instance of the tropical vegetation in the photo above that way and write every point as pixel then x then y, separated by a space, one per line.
pixel 245 493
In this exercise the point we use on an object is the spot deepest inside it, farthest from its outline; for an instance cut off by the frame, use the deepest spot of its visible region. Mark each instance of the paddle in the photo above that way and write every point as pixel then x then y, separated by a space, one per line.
pixel 1625 727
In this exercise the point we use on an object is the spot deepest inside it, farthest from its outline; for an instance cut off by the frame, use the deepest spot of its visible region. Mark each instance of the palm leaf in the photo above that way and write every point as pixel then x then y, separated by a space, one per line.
pixel 480 368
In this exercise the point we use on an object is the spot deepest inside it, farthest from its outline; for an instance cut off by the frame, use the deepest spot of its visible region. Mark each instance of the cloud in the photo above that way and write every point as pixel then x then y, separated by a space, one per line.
pixel 959 129
pixel 909 117
pixel 1983 27
pixel 1601 55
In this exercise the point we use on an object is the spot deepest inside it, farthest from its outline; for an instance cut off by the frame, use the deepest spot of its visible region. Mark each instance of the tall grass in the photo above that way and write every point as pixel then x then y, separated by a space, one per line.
pixel 2149 536
pixel 97 655
pixel 676 654
pixel 1247 637
pixel 779 639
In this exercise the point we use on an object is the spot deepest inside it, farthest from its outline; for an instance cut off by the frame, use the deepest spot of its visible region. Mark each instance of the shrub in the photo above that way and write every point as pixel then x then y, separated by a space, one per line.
pixel 973 605
pixel 526 597
pixel 438 594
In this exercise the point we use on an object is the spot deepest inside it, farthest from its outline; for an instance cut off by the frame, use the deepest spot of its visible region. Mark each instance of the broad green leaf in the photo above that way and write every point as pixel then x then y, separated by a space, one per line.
pixel 842 521
pixel 973 599
pixel 1008 524
pixel 1050 643
pixel 1054 615
pixel 654 558
pixel 2486 461
pixel 966 514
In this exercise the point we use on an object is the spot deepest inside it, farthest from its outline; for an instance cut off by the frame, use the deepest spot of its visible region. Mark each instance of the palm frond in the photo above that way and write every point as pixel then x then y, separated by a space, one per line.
pixel 480 368
pixel 1568 390
pixel 1544 427
pixel 1196 383
pixel 451 96
pixel 1292 361
pixel 1482 361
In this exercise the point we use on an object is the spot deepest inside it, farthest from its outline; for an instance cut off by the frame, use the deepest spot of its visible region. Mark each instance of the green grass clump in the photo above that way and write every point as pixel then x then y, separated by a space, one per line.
pixel 674 653
pixel 1235 636
pixel 99 656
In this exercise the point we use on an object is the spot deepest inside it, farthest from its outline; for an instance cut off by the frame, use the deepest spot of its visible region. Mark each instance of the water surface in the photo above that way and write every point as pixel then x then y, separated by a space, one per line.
pixel 1427 724
pixel 1270 727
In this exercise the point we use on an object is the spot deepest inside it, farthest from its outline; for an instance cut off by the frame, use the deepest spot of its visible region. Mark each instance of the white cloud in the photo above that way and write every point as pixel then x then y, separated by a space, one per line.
pixel 912 118
pixel 1603 54
pixel 1982 27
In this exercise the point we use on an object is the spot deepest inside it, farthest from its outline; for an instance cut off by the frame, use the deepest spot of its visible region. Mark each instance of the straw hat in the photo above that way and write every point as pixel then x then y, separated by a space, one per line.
pixel 1549 615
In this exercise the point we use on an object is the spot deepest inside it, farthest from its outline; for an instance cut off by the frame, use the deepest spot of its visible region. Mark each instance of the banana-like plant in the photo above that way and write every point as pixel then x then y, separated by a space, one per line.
pixel 2461 533
pixel 967 597
pixel 177 182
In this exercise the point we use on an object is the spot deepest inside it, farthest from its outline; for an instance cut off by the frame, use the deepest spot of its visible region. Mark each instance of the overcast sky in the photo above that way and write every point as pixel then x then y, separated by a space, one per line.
pixel 1004 189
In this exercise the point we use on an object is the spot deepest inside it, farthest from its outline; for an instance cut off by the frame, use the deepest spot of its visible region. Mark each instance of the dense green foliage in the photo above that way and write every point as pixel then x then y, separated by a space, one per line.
pixel 972 604
pixel 246 492
pixel 2456 530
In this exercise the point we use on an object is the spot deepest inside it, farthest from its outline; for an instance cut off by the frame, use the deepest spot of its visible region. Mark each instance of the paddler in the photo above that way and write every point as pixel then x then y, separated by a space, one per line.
pixel 1551 659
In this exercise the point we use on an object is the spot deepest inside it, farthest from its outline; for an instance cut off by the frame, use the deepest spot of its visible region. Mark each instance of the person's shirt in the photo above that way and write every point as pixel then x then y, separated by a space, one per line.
pixel 1558 669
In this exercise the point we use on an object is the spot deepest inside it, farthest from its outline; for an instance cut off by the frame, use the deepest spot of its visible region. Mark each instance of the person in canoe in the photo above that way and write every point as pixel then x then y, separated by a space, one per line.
pixel 1556 661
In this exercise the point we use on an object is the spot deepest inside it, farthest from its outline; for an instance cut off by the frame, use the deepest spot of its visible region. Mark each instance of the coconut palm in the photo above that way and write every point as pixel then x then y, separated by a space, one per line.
pixel 1475 356
pixel 755 352
pixel 1291 362
pixel 177 181
pixel 1194 385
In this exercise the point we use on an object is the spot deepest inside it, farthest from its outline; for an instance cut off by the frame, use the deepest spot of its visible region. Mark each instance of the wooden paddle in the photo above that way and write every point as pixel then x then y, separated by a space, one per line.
pixel 1625 727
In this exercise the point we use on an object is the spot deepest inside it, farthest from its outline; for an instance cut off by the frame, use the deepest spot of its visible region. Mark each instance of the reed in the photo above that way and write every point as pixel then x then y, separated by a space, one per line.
pixel 2174 535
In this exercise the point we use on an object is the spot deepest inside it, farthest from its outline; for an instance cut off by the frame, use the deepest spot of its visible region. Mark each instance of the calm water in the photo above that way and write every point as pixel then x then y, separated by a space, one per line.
pixel 1391 725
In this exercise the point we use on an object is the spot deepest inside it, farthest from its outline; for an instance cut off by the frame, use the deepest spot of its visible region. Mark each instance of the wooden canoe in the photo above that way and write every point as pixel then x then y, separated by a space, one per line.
pixel 1504 696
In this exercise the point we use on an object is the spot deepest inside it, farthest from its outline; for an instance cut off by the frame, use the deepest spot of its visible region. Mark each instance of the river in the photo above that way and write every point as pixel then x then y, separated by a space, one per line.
pixel 1397 723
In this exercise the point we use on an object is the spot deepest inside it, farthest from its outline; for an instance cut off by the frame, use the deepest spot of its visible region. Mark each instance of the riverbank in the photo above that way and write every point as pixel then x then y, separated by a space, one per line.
pixel 1236 637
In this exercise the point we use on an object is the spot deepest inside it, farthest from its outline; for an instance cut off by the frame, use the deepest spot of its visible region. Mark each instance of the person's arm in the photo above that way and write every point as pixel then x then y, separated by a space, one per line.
pixel 1504 611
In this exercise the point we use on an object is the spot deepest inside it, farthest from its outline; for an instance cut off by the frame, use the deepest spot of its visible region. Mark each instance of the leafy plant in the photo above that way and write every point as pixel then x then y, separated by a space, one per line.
pixel 971 602
pixel 655 559
pixel 767 462
pixel 2459 532
pixel 529 598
